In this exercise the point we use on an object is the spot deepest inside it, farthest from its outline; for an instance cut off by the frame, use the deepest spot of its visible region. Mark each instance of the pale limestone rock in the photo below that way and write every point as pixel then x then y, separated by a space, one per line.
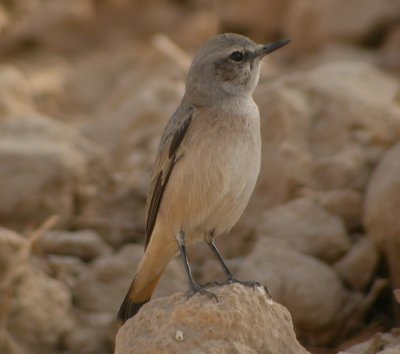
pixel 307 228
pixel 262 20
pixel 358 266
pixel 245 320
pixel 40 311
pixel 15 92
pixel 84 244
pixel 325 128
pixel 45 168
pixel 309 288
pixel 11 244
pixel 140 103
pixel 379 343
pixel 310 25
pixel 382 202
pixel 139 112
pixel 316 24
pixel 93 334
pixel 46 23
pixel 4 19
pixel 382 206
pixel 345 203
pixel 391 51
pixel 65 268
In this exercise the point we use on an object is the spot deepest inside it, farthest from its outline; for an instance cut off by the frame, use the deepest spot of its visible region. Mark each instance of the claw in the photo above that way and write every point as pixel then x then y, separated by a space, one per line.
pixel 197 288
pixel 212 284
pixel 267 291
pixel 250 283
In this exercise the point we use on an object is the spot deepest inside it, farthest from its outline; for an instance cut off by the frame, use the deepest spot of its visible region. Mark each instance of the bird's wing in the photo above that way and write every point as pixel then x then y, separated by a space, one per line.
pixel 168 154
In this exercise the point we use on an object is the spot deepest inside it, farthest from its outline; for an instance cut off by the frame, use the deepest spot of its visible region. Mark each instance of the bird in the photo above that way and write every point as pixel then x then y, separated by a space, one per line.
pixel 207 163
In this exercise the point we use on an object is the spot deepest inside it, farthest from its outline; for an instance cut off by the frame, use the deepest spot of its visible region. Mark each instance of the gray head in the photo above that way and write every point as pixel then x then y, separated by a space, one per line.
pixel 226 65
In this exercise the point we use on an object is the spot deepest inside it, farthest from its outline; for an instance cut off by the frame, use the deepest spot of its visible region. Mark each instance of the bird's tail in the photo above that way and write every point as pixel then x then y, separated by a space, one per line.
pixel 150 269
pixel 156 257
pixel 136 297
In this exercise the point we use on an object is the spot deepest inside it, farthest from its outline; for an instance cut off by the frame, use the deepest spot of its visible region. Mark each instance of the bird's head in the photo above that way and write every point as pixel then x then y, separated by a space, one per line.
pixel 228 65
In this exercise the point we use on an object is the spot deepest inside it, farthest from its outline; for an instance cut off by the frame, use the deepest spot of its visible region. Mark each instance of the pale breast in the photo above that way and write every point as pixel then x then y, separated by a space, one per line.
pixel 242 167
pixel 212 182
pixel 233 160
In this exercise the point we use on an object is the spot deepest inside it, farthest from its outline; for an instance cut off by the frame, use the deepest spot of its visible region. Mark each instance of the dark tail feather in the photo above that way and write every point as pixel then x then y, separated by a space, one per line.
pixel 130 306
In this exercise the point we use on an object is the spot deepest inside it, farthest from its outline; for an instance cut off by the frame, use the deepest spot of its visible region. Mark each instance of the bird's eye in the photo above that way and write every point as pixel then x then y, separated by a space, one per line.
pixel 237 56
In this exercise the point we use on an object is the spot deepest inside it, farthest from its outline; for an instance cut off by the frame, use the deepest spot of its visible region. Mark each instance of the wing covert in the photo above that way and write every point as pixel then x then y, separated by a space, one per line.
pixel 171 141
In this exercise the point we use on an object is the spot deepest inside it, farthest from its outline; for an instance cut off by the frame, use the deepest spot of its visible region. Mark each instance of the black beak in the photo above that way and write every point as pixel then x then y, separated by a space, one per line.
pixel 269 48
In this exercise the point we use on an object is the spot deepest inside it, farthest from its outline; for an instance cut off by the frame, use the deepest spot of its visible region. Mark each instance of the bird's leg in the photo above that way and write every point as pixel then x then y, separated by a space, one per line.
pixel 228 273
pixel 194 287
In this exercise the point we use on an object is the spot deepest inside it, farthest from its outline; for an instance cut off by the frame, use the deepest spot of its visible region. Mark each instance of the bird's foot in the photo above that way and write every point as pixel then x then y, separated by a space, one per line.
pixel 267 291
pixel 200 289
pixel 212 284
pixel 249 283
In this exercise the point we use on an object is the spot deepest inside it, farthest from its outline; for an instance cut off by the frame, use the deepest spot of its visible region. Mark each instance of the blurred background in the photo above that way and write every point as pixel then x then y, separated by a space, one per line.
pixel 86 88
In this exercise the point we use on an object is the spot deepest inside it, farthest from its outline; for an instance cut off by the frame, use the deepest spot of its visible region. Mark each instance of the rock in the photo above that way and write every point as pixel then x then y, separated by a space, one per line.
pixel 324 129
pixel 41 313
pixel 261 21
pixel 358 266
pixel 382 205
pixel 140 98
pixel 4 19
pixel 391 51
pixel 313 25
pixel 94 334
pixel 50 170
pixel 244 320
pixel 139 112
pixel 65 269
pixel 345 203
pixel 11 245
pixel 311 290
pixel 84 244
pixel 98 290
pixel 379 343
pixel 10 346
pixel 112 275
pixel 15 92
pixel 312 230
pixel 39 308
pixel 45 23
pixel 383 198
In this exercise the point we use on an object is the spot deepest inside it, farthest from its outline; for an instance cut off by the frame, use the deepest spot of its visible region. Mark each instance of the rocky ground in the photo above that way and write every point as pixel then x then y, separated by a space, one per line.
pixel 243 320
pixel 86 87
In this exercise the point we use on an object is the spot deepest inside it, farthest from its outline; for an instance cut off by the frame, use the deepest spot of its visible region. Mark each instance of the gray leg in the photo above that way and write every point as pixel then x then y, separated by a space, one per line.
pixel 194 287
pixel 214 250
pixel 229 274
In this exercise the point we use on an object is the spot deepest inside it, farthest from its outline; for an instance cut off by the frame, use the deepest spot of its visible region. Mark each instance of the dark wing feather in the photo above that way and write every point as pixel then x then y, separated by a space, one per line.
pixel 156 201
pixel 154 205
pixel 178 136
pixel 171 141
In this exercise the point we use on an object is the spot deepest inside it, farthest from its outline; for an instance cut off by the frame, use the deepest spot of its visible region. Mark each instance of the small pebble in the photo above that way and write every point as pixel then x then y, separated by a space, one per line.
pixel 179 336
